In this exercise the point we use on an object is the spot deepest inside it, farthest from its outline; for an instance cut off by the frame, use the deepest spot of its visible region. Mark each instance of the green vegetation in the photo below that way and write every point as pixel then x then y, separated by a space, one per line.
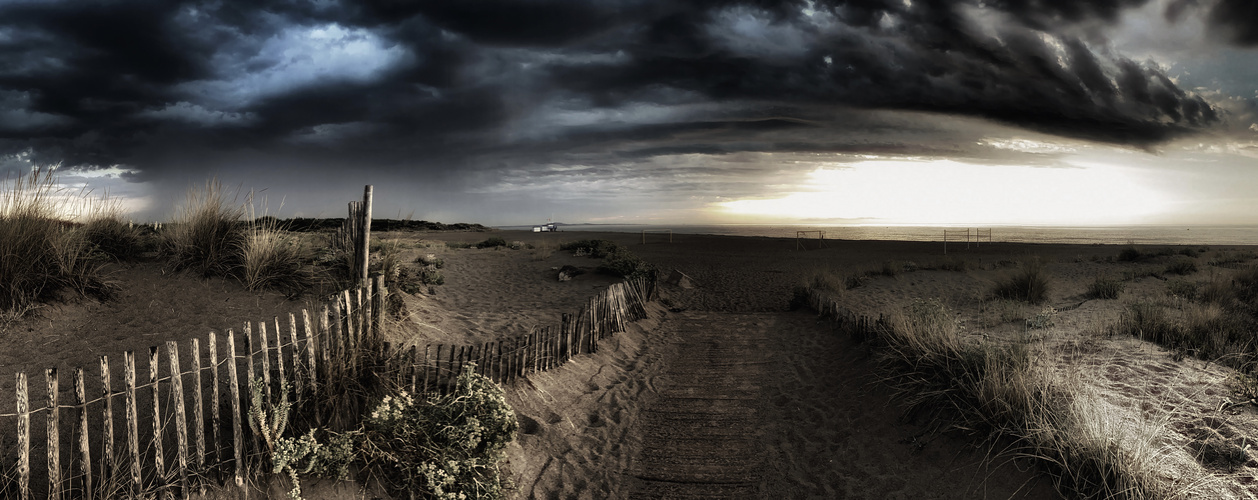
pixel 1183 289
pixel 440 447
pixel 1029 285
pixel 1181 266
pixel 492 242
pixel 1105 288
pixel 617 260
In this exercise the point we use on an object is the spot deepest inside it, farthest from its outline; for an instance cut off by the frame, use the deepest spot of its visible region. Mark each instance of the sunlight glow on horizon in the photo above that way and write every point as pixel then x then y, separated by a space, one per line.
pixel 951 192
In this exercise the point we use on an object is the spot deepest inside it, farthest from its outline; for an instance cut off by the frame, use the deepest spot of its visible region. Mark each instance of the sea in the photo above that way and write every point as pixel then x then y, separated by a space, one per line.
pixel 1080 235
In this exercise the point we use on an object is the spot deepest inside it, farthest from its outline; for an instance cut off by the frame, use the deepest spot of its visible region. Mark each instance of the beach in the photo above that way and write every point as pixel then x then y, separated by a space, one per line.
pixel 787 406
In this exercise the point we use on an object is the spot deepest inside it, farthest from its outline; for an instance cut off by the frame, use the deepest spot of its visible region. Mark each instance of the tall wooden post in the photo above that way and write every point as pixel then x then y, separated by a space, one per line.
pixel 365 241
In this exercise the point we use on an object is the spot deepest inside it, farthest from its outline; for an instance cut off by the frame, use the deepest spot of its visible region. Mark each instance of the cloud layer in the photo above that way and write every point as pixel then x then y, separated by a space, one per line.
pixel 478 90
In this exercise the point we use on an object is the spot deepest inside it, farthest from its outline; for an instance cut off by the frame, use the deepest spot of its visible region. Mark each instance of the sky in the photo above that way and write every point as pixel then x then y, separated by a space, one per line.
pixel 967 112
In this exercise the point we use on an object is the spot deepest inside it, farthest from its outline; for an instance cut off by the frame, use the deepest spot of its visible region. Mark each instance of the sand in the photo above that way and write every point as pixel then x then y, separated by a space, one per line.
pixel 722 391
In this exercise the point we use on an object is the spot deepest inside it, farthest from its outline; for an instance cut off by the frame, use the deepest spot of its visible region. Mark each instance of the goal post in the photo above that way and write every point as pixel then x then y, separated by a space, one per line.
pixel 669 232
pixel 803 237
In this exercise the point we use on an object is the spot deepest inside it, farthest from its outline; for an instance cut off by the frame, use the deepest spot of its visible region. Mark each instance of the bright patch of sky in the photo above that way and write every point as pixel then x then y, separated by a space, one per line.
pixel 951 192
pixel 751 32
pixel 296 57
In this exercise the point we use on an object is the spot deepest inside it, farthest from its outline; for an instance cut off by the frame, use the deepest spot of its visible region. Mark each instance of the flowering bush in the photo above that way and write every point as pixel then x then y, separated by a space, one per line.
pixel 447 446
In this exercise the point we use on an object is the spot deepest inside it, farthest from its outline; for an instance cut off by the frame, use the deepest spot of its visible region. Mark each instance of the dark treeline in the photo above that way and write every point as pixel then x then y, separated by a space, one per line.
pixel 302 224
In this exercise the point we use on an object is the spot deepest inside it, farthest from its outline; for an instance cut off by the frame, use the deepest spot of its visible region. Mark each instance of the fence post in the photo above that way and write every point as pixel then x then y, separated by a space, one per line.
pixel 296 358
pixel 54 440
pixel 23 437
pixel 133 420
pixel 181 416
pixel 198 414
pixel 311 369
pixel 215 409
pixel 266 363
pixel 159 459
pixel 279 359
pixel 427 349
pixel 233 385
pixel 108 465
pixel 365 242
pixel 85 452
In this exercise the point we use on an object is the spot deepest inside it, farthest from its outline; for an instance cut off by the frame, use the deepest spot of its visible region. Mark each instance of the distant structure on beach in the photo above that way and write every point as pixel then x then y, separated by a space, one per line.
pixel 546 228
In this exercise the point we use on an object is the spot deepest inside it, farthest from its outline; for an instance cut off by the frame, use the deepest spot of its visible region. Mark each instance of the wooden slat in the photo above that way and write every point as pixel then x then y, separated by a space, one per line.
pixel 279 360
pixel 181 416
pixel 266 364
pixel 216 424
pixel 108 463
pixel 198 413
pixel 295 355
pixel 326 340
pixel 159 459
pixel 424 366
pixel 54 437
pixel 233 384
pixel 23 437
pixel 311 371
pixel 85 448
pixel 133 421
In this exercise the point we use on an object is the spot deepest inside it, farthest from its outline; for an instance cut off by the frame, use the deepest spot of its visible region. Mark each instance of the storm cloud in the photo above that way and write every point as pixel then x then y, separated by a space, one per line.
pixel 450 87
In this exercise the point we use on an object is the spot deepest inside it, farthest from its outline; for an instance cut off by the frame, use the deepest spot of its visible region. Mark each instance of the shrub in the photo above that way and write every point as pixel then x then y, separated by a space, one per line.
pixel 1105 288
pixel 957 265
pixel 207 232
pixel 624 264
pixel 446 447
pixel 597 249
pixel 890 268
pixel 492 242
pixel 1182 288
pixel 1029 285
pixel 429 276
pixel 1181 266
pixel 1130 254
pixel 112 237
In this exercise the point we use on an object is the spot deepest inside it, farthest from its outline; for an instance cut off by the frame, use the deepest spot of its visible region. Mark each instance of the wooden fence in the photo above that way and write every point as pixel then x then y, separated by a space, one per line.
pixel 860 328
pixel 191 414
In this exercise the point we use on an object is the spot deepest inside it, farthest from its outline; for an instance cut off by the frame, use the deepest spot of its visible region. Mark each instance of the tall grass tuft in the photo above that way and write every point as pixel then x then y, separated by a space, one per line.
pixel 1029 285
pixel 271 258
pixel 1105 287
pixel 41 251
pixel 207 232
pixel 997 390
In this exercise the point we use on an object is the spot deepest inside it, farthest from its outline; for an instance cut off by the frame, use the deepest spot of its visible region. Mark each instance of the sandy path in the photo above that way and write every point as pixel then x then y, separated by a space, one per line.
pixel 701 431
pixel 775 405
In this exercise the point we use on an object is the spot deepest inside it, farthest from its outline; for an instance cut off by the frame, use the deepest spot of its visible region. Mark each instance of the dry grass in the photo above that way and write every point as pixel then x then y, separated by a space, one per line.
pixel 42 252
pixel 1030 284
pixel 998 391
pixel 207 232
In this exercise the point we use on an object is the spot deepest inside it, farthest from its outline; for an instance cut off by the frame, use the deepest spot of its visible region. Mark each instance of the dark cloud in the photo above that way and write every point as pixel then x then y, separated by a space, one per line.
pixel 448 85
pixel 1238 20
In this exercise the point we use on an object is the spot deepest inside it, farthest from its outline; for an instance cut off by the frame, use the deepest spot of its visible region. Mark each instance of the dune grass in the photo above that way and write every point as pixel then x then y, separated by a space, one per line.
pixel 208 232
pixel 1030 284
pixel 43 251
pixel 998 391
pixel 1104 287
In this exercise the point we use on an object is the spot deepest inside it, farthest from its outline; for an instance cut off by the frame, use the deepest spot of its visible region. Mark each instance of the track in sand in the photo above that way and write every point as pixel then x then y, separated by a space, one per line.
pixel 774 405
